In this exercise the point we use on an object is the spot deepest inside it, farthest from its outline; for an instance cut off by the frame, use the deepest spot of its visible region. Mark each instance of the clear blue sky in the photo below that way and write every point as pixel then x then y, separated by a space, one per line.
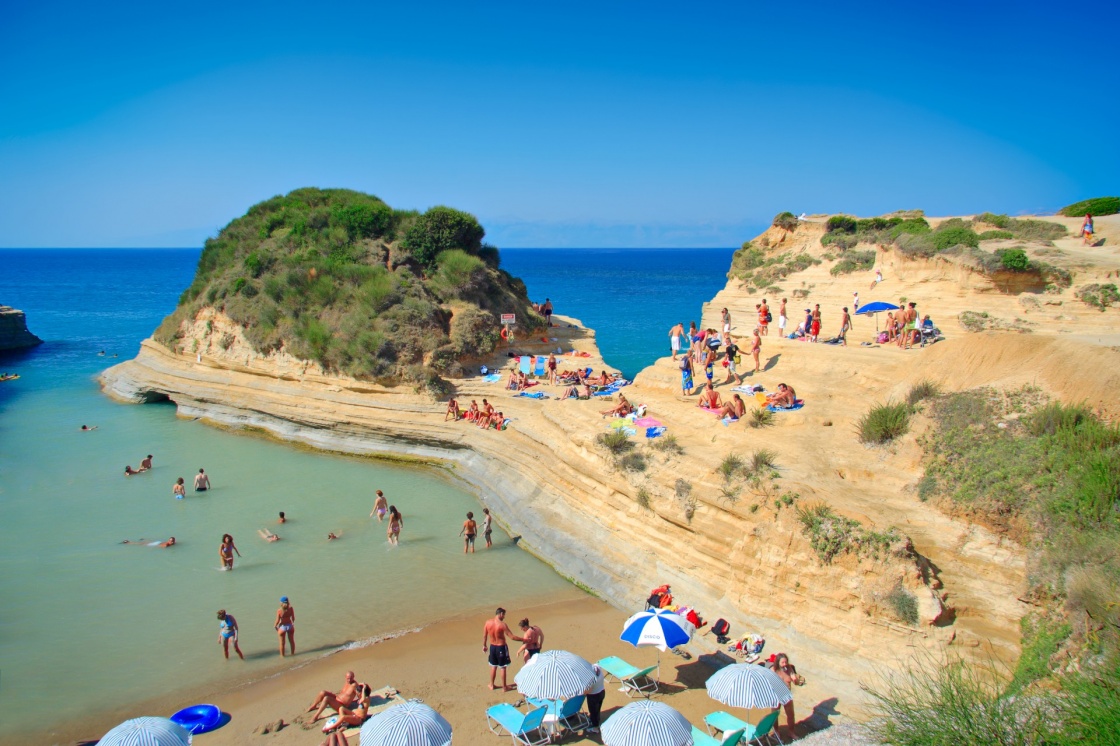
pixel 557 124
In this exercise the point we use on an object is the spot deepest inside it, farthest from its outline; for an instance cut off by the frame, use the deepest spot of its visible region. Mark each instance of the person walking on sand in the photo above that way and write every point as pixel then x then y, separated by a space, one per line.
pixel 201 481
pixel 286 625
pixel 226 550
pixel 764 318
pixel 532 642
pixel 731 357
pixel 380 507
pixel 469 531
pixel 396 523
pixel 546 310
pixel 782 319
pixel 179 489
pixel 487 527
pixel 675 339
pixel 1087 230
pixel 494 643
pixel 756 348
pixel 227 631
pixel 725 317
pixel 845 327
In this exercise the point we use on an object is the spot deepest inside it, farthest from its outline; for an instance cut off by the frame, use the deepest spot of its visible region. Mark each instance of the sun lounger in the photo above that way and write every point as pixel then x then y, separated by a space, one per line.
pixel 526 729
pixel 568 713
pixel 727 723
pixel 700 738
pixel 635 680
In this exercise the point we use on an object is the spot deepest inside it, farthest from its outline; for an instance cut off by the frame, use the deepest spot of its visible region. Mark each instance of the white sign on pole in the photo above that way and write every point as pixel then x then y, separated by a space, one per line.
pixel 508 318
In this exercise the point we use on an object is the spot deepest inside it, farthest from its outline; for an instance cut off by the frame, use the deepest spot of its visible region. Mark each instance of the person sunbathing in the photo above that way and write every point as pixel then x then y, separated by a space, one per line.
pixel 624 408
pixel 453 412
pixel 511 384
pixel 348 696
pixel 483 419
pixel 605 379
pixel 349 718
pixel 709 398
pixel 734 408
pixel 572 392
pixel 472 412
pixel 785 396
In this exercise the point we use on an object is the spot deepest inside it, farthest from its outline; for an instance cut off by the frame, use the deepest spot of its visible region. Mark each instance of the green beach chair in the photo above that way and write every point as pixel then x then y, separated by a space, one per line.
pixel 726 722
pixel 526 729
pixel 634 679
pixel 700 738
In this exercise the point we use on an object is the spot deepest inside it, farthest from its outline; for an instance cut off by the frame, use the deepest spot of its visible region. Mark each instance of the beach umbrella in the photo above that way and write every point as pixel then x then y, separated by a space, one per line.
pixel 647 723
pixel 749 686
pixel 147 731
pixel 555 674
pixel 661 628
pixel 411 723
pixel 874 308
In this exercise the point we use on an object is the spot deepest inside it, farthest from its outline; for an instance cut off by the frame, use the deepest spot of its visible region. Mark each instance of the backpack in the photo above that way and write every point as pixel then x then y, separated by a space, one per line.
pixel 720 630
pixel 769 317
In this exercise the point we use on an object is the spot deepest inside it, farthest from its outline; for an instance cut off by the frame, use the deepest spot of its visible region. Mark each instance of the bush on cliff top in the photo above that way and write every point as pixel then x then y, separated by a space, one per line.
pixel 1095 206
pixel 339 277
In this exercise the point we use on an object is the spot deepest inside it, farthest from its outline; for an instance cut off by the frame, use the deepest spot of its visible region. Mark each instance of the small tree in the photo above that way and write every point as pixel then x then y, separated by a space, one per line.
pixel 441 229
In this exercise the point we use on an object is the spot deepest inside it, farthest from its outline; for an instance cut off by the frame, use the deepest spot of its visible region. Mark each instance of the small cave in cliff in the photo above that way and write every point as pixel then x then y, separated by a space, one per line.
pixel 154 397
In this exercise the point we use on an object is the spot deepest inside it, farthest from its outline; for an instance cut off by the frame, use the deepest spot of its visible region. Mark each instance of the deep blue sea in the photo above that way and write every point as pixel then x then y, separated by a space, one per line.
pixel 117 623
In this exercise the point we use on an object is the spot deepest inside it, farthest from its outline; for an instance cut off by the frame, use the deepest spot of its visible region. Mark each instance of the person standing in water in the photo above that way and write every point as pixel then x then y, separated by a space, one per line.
pixel 226 550
pixel 201 481
pixel 487 528
pixel 396 523
pixel 286 625
pixel 227 631
pixel 380 506
pixel 179 489
pixel 469 531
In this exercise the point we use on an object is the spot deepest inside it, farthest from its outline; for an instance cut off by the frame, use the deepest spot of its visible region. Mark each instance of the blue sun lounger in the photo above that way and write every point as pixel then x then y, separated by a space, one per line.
pixel 526 729
pixel 636 680
pixel 726 722
pixel 700 738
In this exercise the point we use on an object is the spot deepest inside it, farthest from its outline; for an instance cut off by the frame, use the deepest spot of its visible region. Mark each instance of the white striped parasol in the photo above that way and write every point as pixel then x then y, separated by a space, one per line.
pixel 408 724
pixel 555 674
pixel 147 731
pixel 747 685
pixel 647 723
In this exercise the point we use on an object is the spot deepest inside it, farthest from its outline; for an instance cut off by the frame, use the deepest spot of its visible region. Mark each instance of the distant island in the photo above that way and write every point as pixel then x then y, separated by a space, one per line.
pixel 14 334
pixel 340 278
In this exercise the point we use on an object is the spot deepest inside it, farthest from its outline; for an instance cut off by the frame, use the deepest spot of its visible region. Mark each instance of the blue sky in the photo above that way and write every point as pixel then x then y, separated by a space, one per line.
pixel 564 124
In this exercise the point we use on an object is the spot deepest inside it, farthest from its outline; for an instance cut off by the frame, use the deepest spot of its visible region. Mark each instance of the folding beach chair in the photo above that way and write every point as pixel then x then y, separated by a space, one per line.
pixel 636 680
pixel 526 729
pixel 700 738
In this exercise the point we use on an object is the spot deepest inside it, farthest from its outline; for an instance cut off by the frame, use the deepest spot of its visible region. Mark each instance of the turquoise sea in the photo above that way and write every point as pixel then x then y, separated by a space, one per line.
pixel 118 622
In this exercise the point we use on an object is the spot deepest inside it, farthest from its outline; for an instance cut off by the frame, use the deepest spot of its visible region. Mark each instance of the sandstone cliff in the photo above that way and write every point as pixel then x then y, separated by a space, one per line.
pixel 14 334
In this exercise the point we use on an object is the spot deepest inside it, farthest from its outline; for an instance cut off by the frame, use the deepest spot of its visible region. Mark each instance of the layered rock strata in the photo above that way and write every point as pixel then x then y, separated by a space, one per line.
pixel 14 334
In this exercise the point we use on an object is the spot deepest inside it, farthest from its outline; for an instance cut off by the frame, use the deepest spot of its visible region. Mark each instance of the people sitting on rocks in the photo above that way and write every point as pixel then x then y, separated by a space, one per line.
pixel 624 408
pixel 472 412
pixel 605 379
pixel 709 397
pixel 734 409
pixel 573 392
pixel 483 417
pixel 785 396
pixel 453 412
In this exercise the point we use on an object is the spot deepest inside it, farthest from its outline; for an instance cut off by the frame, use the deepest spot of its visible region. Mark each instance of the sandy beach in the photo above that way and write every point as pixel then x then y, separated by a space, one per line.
pixel 444 665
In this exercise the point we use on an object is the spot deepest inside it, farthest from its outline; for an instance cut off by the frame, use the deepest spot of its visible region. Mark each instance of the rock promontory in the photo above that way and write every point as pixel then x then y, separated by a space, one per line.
pixel 14 334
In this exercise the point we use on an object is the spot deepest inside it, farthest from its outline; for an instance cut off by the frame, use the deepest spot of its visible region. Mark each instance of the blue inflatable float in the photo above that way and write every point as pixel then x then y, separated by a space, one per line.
pixel 198 718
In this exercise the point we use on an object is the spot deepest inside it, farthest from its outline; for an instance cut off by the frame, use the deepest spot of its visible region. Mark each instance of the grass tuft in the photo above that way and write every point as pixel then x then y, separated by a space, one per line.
pixel 922 390
pixel 615 441
pixel 903 603
pixel 760 417
pixel 667 444
pixel 884 422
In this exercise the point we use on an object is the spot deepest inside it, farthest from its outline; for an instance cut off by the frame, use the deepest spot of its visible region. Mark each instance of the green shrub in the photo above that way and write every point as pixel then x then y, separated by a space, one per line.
pixel 730 467
pixel 841 224
pixel 917 245
pixel 442 229
pixel 903 603
pixel 922 390
pixel 667 444
pixel 854 261
pixel 831 535
pixel 914 227
pixel 763 459
pixel 1041 638
pixel 1099 296
pixel 642 497
pixel 615 441
pixel 993 235
pixel 786 220
pixel 944 237
pixel 1015 260
pixel 1095 206
pixel 884 422
pixel 633 462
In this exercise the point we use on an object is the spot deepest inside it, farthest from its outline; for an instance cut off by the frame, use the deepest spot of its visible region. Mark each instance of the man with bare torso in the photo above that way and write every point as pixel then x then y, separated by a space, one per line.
pixel 532 641
pixel 494 642
pixel 346 697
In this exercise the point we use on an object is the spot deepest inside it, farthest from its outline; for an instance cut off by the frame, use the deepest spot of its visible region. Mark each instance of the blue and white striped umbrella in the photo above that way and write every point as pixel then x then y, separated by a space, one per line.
pixel 661 628
pixel 748 685
pixel 406 724
pixel 554 674
pixel 646 723
pixel 147 731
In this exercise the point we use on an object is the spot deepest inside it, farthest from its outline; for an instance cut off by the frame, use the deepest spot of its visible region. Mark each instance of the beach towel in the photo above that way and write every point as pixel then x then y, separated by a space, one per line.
pixel 796 405
pixel 604 392
pixel 748 389
pixel 618 423
pixel 492 378
pixel 533 395
pixel 647 422
pixel 628 431
pixel 653 432
pixel 525 364
pixel 728 420
pixel 712 411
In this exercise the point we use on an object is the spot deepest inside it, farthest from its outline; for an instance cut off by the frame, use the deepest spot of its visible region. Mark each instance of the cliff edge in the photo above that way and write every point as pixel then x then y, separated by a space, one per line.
pixel 14 334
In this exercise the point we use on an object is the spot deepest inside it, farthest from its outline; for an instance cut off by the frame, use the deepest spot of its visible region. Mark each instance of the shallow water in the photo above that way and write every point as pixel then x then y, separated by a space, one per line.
pixel 116 622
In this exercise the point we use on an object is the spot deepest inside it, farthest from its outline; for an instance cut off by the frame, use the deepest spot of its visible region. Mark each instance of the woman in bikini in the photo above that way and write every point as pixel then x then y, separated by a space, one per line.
pixel 396 522
pixel 226 550
pixel 380 506
pixel 286 625
pixel 756 348
pixel 179 489
pixel 552 369
pixel 348 718
pixel 624 408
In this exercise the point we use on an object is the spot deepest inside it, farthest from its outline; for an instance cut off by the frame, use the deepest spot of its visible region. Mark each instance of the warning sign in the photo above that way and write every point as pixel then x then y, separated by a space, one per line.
pixel 508 318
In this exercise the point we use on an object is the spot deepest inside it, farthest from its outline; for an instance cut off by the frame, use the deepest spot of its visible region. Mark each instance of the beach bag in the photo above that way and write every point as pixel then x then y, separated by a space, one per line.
pixel 720 630
pixel 769 317
pixel 738 359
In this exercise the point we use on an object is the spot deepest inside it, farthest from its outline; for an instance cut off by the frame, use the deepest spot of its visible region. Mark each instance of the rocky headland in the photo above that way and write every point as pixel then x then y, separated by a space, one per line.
pixel 14 334
pixel 741 549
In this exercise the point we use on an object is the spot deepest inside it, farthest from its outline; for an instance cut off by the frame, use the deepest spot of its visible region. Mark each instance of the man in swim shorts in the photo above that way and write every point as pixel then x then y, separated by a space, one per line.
pixel 546 310
pixel 675 339
pixel 494 642
pixel 201 481
pixel 469 531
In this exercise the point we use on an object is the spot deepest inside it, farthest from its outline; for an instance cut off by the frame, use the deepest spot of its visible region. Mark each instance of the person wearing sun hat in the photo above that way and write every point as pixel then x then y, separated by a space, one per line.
pixel 286 625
